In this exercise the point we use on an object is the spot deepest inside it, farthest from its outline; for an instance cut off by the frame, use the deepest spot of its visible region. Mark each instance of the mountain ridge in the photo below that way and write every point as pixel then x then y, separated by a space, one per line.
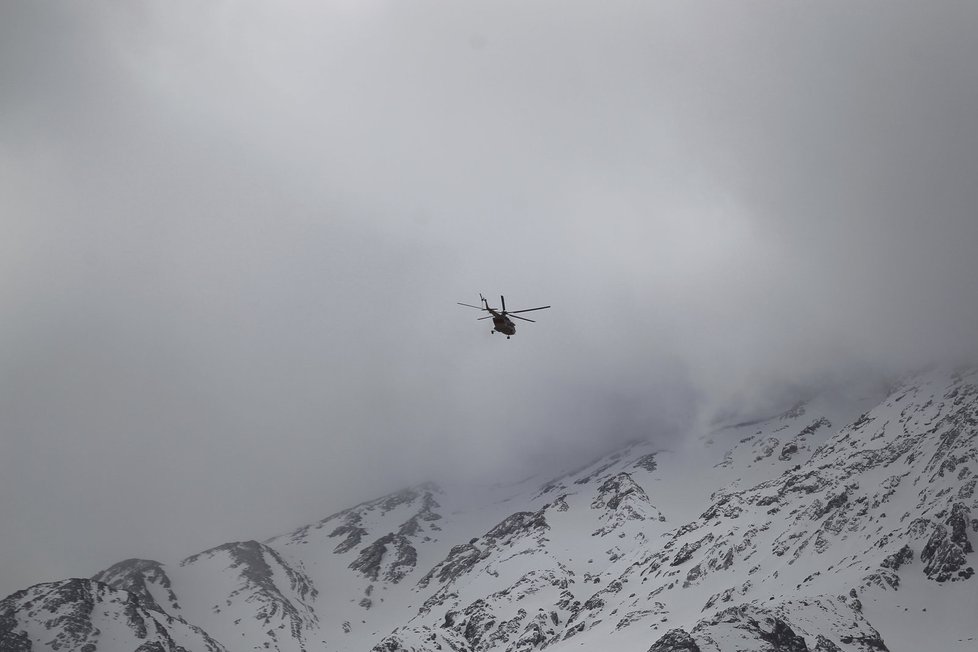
pixel 818 528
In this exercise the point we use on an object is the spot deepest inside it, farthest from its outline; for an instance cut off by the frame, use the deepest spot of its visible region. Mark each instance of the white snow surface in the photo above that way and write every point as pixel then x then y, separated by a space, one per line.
pixel 847 522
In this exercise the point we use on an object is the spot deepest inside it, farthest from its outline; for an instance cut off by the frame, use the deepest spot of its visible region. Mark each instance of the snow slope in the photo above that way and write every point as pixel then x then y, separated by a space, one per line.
pixel 845 523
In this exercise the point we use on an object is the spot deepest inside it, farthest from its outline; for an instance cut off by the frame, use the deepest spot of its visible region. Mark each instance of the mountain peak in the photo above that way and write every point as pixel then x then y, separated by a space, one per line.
pixel 823 527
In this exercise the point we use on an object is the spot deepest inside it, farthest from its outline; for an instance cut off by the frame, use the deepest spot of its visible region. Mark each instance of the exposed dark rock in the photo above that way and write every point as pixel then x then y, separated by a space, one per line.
pixel 884 579
pixel 822 644
pixel 833 503
pixel 594 602
pixel 787 451
pixel 686 552
pixel 12 638
pixel 132 575
pixel 518 523
pixel 903 556
pixel 67 611
pixel 675 640
pixel 369 562
pixel 805 510
pixel 694 574
pixel 615 489
pixel 946 550
pixel 389 644
pixel 460 560
pixel 426 514
pixel 622 500
pixel 958 522
pixel 782 637
pixel 354 535
pixel 537 634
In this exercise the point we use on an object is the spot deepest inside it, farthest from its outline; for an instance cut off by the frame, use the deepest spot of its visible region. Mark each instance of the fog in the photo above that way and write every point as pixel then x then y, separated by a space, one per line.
pixel 233 236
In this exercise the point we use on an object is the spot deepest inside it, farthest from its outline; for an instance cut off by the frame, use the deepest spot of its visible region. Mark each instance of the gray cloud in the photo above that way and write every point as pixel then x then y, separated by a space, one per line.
pixel 233 237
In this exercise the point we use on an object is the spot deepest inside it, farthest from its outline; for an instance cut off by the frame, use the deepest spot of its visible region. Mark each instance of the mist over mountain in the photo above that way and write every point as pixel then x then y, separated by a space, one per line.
pixel 843 523
pixel 233 237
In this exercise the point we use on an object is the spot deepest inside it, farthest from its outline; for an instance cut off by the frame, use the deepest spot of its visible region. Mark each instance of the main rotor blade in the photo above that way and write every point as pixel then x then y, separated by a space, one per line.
pixel 518 317
pixel 469 305
pixel 486 317
pixel 502 300
pixel 528 310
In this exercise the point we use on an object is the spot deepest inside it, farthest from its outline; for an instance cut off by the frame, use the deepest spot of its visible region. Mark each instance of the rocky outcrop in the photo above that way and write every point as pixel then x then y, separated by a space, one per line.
pixel 675 640
pixel 351 531
pixel 142 577
pixel 776 548
pixel 791 626
pixel 462 558
pixel 946 552
pixel 72 615
pixel 902 556
pixel 622 500
pixel 390 558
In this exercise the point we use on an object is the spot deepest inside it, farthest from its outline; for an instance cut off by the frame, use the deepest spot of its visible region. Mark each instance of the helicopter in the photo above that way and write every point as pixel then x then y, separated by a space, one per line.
pixel 501 318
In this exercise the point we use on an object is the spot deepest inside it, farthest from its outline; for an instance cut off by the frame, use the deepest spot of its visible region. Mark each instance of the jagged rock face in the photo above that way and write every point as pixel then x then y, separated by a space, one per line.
pixel 86 616
pixel 393 548
pixel 144 578
pixel 946 552
pixel 388 556
pixel 902 556
pixel 351 524
pixel 352 532
pixel 787 627
pixel 809 509
pixel 622 499
pixel 790 533
pixel 675 640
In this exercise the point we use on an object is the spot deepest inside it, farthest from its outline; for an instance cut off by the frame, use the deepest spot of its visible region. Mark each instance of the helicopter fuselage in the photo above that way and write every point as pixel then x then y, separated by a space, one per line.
pixel 503 324
pixel 500 317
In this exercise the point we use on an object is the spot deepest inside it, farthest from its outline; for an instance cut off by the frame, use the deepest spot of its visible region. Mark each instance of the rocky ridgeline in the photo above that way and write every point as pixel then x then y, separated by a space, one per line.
pixel 280 594
pixel 792 626
pixel 145 579
pixel 87 616
pixel 801 522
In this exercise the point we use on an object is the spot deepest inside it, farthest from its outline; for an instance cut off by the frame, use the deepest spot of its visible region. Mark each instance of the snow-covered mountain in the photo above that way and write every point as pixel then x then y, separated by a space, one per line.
pixel 844 523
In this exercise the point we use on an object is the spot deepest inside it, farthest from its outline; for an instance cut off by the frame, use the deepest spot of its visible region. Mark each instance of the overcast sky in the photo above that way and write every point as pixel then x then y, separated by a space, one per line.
pixel 232 236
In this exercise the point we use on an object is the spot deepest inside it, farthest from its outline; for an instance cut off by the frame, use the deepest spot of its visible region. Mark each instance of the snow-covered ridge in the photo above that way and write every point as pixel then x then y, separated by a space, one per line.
pixel 836 525
pixel 87 615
